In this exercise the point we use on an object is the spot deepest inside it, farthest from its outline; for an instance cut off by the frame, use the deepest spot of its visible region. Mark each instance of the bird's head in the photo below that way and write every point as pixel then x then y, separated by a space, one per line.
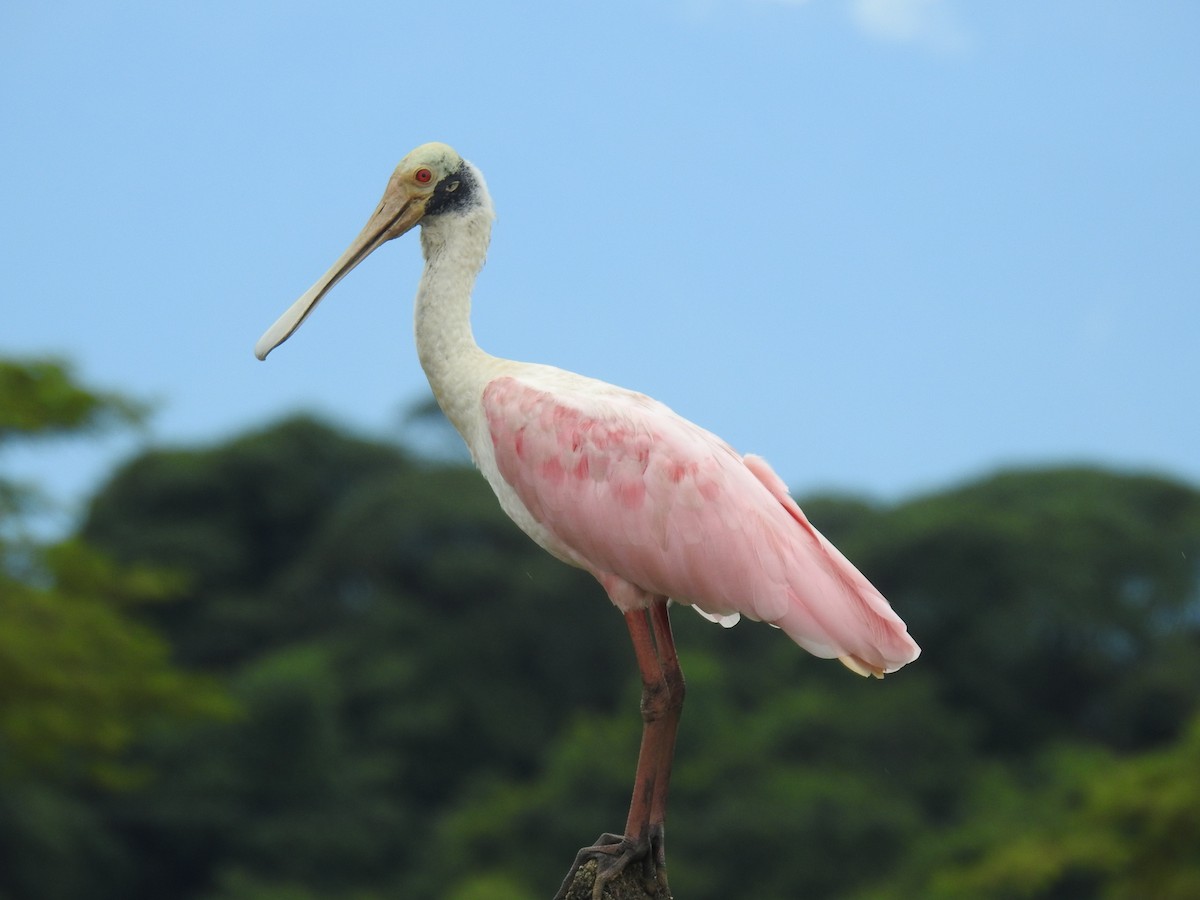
pixel 432 180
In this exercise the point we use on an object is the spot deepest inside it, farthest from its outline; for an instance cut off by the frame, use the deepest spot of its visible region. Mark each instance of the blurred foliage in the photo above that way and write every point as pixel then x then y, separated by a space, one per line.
pixel 80 676
pixel 83 678
pixel 1078 589
pixel 43 397
pixel 1080 822
pixel 431 707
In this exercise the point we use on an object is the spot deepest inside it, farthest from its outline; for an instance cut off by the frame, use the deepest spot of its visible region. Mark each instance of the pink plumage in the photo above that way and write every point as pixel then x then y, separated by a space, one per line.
pixel 653 505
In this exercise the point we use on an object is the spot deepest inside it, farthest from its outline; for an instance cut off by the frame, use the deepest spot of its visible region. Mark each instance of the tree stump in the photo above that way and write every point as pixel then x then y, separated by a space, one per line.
pixel 629 885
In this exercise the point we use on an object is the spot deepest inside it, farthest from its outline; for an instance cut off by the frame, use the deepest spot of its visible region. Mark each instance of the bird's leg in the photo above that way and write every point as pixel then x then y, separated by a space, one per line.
pixel 662 703
pixel 672 676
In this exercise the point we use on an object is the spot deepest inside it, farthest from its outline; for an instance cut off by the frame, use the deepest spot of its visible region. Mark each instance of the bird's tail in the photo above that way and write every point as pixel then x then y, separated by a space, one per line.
pixel 834 611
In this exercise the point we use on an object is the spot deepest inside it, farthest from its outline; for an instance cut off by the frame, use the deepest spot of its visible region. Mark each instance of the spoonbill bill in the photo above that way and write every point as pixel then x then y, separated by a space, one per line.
pixel 613 482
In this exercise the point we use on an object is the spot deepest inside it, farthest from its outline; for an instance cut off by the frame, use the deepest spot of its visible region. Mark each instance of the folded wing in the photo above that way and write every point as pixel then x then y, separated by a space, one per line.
pixel 652 504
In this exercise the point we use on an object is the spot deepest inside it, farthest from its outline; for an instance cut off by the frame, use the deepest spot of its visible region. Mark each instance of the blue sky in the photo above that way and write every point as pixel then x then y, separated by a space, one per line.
pixel 888 244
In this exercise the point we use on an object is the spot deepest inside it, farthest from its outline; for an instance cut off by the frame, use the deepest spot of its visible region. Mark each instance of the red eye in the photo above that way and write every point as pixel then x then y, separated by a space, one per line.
pixel 424 176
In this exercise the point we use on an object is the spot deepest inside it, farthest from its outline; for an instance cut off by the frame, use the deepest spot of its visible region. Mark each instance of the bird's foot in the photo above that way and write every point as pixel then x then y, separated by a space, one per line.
pixel 613 855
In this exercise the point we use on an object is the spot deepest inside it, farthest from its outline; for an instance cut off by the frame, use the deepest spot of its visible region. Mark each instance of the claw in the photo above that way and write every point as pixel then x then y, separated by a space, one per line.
pixel 611 856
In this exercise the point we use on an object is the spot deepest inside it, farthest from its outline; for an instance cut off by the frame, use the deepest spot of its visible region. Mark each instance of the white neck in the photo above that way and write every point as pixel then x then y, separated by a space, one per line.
pixel 455 246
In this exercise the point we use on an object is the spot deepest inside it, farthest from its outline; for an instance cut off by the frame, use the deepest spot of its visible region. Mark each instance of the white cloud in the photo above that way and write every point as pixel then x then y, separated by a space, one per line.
pixel 930 23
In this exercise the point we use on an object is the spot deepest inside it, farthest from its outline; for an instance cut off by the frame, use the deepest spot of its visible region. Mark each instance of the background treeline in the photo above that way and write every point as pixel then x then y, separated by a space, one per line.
pixel 300 665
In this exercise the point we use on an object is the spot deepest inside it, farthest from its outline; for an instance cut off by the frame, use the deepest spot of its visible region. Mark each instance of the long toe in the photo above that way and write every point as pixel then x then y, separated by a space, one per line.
pixel 607 871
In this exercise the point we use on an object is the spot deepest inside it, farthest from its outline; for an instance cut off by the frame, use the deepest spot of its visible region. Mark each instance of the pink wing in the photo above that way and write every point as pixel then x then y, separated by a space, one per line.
pixel 654 505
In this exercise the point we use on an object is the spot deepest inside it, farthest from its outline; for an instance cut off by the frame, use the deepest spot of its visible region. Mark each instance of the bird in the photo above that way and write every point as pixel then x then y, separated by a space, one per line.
pixel 656 508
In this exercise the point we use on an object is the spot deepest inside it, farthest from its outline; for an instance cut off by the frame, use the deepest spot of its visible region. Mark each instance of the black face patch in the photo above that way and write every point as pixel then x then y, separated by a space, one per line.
pixel 454 193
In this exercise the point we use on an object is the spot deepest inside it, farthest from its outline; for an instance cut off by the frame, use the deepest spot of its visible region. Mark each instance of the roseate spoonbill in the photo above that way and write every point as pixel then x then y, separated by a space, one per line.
pixel 615 483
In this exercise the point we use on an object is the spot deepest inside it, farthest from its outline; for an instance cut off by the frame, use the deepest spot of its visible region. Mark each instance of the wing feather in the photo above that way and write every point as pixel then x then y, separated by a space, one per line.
pixel 655 505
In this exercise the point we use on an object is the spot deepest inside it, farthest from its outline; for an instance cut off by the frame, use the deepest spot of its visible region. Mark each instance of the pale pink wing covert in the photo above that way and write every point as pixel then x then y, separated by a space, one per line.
pixel 653 504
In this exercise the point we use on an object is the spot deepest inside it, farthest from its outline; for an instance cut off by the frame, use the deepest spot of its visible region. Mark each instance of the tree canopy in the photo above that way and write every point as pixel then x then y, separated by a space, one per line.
pixel 305 665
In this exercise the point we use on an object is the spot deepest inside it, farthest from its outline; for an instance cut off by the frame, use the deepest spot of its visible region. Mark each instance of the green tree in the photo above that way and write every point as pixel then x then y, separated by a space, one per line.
pixel 434 707
pixel 81 678
pixel 391 636
pixel 43 398
pixel 1081 822
pixel 1055 604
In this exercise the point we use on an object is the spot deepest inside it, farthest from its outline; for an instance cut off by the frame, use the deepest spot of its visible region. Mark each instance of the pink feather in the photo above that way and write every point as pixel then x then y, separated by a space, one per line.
pixel 653 505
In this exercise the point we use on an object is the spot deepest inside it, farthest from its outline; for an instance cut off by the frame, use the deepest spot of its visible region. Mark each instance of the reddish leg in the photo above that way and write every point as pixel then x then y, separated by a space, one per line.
pixel 672 677
pixel 662 702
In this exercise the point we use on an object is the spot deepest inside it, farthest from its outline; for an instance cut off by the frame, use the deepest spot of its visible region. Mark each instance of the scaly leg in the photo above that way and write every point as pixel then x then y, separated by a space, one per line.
pixel 662 703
